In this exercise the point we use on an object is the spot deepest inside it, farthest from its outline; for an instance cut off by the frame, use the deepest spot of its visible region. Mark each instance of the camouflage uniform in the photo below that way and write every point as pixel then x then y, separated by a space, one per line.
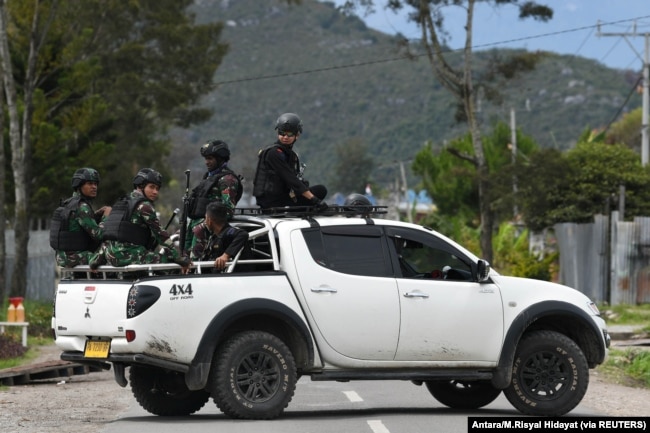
pixel 208 246
pixel 225 190
pixel 82 219
pixel 119 253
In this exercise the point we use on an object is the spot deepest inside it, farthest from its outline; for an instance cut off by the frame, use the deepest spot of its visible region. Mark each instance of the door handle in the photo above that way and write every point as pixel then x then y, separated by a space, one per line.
pixel 323 290
pixel 415 295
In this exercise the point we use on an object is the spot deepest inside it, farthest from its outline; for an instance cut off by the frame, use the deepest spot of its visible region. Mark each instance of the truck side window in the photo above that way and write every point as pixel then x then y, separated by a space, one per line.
pixel 421 256
pixel 355 250
pixel 420 261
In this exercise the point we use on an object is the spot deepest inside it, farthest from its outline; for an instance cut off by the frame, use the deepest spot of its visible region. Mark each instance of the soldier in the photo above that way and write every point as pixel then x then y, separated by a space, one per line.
pixel 76 230
pixel 215 239
pixel 218 183
pixel 278 178
pixel 133 231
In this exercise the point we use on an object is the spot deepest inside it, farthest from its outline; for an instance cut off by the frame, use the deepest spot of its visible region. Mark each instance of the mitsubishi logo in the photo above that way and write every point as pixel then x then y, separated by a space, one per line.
pixel 87 315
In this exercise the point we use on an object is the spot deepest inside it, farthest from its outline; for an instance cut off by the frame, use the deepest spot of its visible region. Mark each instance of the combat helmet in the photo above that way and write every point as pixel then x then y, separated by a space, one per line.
pixel 147 175
pixel 289 122
pixel 84 175
pixel 217 148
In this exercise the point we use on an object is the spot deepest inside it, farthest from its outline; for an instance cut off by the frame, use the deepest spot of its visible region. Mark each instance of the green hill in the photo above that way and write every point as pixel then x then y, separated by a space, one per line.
pixel 347 81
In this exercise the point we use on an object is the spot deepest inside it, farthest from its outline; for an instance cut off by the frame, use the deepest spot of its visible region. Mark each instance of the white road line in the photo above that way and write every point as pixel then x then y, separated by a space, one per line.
pixel 352 396
pixel 377 426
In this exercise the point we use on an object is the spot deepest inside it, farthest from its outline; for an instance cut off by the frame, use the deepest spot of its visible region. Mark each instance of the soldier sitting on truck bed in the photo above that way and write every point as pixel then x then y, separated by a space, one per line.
pixel 215 239
pixel 133 232
pixel 77 231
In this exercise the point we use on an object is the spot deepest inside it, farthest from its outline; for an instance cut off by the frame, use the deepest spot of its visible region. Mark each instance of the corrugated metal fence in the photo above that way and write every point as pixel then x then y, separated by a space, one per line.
pixel 41 269
pixel 608 260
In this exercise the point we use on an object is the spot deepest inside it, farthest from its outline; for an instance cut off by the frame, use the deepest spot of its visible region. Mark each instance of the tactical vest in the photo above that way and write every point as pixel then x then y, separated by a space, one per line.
pixel 118 225
pixel 266 182
pixel 199 198
pixel 61 238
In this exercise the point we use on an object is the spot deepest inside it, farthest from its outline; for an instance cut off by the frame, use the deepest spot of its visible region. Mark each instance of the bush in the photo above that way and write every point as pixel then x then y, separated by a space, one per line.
pixel 512 255
pixel 10 347
pixel 39 316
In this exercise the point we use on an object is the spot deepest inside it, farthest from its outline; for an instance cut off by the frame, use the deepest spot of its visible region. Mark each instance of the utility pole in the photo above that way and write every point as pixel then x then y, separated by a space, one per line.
pixel 513 143
pixel 645 145
pixel 405 192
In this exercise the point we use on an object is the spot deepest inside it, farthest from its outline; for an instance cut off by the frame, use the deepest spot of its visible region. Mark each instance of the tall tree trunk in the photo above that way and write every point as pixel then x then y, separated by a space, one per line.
pixel 4 292
pixel 483 171
pixel 20 140
pixel 460 84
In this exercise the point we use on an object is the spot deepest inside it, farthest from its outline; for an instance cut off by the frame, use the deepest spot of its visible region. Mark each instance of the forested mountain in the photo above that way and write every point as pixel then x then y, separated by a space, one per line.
pixel 349 82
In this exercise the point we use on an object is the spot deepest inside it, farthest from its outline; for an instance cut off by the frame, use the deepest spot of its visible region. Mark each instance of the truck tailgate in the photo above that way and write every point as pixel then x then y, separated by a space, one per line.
pixel 95 308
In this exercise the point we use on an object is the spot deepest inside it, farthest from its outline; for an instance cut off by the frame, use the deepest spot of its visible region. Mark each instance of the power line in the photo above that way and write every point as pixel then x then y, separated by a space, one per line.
pixel 409 57
pixel 645 115
pixel 632 91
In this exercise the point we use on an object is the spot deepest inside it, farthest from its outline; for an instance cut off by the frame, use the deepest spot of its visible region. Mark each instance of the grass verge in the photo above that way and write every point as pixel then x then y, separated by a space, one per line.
pixel 629 367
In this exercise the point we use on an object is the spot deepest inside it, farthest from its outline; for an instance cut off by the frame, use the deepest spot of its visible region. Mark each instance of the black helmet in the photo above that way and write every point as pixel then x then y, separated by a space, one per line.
pixel 357 200
pixel 289 122
pixel 84 175
pixel 145 176
pixel 216 148
pixel 358 203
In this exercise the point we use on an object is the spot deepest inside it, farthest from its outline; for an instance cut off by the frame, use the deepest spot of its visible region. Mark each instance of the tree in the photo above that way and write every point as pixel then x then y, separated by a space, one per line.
pixel 353 167
pixel 452 180
pixel 627 130
pixel 584 181
pixel 96 83
pixel 3 199
pixel 458 78
pixel 20 136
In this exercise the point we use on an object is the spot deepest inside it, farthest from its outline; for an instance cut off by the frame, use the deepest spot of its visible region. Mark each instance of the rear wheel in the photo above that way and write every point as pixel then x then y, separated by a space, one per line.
pixel 253 376
pixel 549 376
pixel 460 394
pixel 164 393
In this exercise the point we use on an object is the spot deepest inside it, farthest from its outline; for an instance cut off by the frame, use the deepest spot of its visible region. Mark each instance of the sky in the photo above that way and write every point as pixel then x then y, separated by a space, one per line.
pixel 573 29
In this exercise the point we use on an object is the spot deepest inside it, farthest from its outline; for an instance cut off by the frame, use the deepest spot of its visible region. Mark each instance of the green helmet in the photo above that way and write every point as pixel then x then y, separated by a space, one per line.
pixel 84 175
pixel 145 176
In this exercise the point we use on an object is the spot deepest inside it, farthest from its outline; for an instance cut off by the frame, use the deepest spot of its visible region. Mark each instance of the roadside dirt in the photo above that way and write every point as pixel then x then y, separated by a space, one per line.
pixel 88 402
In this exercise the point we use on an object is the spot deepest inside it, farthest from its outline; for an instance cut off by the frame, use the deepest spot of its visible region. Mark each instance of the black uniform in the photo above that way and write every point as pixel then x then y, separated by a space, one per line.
pixel 277 182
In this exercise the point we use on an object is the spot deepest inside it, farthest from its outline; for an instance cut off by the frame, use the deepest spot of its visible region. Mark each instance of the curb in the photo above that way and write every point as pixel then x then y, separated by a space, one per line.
pixel 626 332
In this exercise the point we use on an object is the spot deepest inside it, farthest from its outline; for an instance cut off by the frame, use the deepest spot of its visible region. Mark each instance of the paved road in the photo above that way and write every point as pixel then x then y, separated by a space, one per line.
pixel 320 407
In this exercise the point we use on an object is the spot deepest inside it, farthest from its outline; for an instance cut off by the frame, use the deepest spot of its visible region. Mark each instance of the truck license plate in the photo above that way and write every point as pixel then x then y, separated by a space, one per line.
pixel 97 349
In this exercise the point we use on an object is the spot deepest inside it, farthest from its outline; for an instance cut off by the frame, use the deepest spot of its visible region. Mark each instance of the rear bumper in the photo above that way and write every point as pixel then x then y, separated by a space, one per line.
pixel 125 359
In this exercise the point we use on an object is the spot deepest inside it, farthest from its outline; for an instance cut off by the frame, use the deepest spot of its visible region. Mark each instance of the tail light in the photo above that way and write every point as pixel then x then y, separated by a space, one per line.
pixel 141 297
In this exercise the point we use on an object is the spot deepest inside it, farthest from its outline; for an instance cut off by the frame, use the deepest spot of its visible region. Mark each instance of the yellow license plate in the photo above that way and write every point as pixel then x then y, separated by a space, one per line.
pixel 97 349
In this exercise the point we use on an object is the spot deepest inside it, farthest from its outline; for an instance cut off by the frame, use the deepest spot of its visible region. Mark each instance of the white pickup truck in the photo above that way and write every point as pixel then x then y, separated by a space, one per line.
pixel 345 295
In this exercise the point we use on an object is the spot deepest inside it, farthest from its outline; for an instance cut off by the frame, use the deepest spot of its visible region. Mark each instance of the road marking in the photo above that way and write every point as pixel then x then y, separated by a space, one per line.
pixel 352 396
pixel 377 426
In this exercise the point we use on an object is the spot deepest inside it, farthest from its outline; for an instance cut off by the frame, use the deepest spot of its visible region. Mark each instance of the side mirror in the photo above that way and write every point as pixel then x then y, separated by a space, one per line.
pixel 482 271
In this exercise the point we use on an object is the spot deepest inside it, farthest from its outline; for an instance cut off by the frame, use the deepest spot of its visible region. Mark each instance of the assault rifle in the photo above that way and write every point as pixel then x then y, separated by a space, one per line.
pixel 186 206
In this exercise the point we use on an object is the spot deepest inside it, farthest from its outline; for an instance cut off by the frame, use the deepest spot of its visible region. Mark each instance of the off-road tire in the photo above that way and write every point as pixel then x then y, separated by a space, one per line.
pixel 459 394
pixel 164 393
pixel 253 376
pixel 550 375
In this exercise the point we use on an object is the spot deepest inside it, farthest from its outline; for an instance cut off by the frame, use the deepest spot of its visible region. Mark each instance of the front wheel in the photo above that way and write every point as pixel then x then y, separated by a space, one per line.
pixel 253 376
pixel 549 375
pixel 459 394
pixel 164 393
